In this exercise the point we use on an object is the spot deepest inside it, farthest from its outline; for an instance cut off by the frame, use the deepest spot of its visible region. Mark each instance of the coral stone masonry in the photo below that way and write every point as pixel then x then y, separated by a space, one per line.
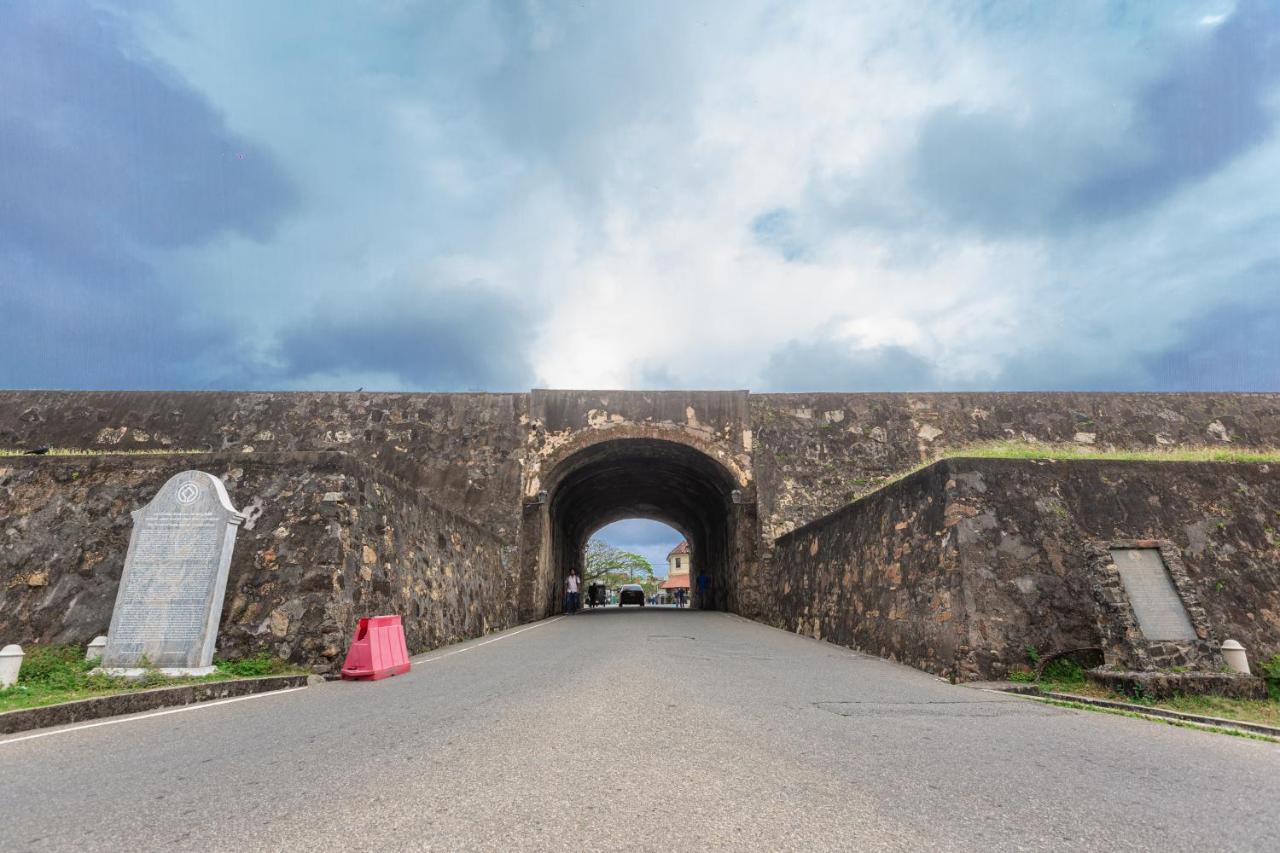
pixel 462 513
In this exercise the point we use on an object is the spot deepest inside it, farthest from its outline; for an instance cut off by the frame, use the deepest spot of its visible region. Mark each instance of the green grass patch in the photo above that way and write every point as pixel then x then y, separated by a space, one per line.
pixel 1063 675
pixel 1271 672
pixel 1264 711
pixel 257 666
pixel 1182 724
pixel 1069 451
pixel 59 673
pixel 1063 672
pixel 1037 450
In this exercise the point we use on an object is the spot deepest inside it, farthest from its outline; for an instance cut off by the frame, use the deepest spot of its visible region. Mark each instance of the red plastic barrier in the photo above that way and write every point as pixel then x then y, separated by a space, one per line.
pixel 378 650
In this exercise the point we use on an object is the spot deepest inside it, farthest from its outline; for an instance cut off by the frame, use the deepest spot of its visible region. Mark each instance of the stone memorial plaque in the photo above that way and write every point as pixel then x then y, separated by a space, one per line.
pixel 175 573
pixel 1155 601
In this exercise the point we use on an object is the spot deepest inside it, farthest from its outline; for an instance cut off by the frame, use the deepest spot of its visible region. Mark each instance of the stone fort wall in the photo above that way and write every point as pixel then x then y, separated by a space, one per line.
pixel 808 454
pixel 463 450
pixel 327 539
pixel 465 464
pixel 962 566
pixel 814 453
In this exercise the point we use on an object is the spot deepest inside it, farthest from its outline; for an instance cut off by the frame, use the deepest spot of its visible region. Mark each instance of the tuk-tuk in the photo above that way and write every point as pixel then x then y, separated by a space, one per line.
pixel 597 595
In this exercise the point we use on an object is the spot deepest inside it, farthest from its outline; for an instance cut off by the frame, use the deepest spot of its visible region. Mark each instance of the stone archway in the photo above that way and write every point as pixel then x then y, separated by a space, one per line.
pixel 666 479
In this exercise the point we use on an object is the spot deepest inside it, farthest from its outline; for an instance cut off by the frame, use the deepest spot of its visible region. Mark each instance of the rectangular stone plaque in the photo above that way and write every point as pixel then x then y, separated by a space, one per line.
pixel 175 574
pixel 1155 600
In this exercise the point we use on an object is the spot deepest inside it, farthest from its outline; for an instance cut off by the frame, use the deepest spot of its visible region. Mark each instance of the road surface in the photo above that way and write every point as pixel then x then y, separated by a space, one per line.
pixel 649 729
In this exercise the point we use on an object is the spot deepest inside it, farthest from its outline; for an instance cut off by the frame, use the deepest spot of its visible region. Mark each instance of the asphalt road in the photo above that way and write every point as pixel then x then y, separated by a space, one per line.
pixel 646 730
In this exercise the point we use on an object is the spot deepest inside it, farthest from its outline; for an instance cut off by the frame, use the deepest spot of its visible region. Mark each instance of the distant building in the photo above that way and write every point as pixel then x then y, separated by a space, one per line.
pixel 679 566
pixel 678 560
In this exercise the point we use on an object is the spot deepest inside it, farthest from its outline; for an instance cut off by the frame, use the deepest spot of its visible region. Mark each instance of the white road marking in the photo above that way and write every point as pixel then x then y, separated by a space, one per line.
pixel 425 658
pixel 193 707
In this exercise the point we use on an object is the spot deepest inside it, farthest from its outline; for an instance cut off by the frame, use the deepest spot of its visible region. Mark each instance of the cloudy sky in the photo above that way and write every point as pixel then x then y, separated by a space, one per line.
pixel 771 195
pixel 652 540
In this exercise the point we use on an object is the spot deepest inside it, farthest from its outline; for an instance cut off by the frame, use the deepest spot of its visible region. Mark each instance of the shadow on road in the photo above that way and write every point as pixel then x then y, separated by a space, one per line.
pixel 613 610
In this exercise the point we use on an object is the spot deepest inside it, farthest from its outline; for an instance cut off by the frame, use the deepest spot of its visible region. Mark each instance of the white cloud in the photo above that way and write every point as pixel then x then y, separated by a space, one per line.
pixel 602 167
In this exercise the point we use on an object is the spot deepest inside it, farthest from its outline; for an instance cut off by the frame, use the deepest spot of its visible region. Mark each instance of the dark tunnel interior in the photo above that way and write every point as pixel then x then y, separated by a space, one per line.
pixel 649 478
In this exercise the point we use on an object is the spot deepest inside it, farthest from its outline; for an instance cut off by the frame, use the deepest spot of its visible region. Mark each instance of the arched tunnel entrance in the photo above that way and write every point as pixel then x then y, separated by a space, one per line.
pixel 663 480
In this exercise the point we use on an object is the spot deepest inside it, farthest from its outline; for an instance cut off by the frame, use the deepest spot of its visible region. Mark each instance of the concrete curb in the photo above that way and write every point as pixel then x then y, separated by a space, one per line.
pixel 1147 710
pixel 117 704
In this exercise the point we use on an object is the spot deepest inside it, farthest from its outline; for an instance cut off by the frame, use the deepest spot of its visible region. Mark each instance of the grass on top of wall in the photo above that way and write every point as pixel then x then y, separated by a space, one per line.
pixel 80 451
pixel 981 450
pixel 1038 450
pixel 1069 452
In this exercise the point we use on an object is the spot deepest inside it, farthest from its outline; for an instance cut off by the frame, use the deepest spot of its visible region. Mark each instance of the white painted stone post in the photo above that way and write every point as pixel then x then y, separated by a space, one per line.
pixel 1237 660
pixel 10 663
pixel 96 648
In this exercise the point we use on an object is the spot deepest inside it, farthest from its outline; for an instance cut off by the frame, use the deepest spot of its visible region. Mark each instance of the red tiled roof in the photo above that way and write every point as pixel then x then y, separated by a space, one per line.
pixel 676 582
pixel 682 548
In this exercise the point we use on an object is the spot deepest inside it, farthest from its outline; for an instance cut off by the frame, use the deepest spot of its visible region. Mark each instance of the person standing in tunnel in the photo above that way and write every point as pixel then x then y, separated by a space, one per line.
pixel 571 592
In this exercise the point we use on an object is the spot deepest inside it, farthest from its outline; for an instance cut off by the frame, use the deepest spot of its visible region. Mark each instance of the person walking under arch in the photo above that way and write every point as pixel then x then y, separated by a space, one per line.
pixel 571 585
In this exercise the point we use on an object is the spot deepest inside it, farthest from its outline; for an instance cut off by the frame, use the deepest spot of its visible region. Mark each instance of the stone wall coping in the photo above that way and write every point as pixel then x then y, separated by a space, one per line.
pixel 776 395
pixel 1112 395
pixel 832 517
pixel 68 392
pixel 194 456
pixel 997 461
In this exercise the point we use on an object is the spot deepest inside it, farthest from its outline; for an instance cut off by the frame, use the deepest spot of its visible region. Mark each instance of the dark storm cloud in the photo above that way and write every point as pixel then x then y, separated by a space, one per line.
pixel 1058 366
pixel 992 173
pixel 987 172
pixel 445 339
pixel 1207 109
pixel 107 158
pixel 544 147
pixel 830 365
pixel 566 92
pixel 108 332
pixel 1234 346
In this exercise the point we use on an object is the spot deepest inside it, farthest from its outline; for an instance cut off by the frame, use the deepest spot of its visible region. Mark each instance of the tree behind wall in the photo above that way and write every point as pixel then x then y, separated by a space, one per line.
pixel 614 567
